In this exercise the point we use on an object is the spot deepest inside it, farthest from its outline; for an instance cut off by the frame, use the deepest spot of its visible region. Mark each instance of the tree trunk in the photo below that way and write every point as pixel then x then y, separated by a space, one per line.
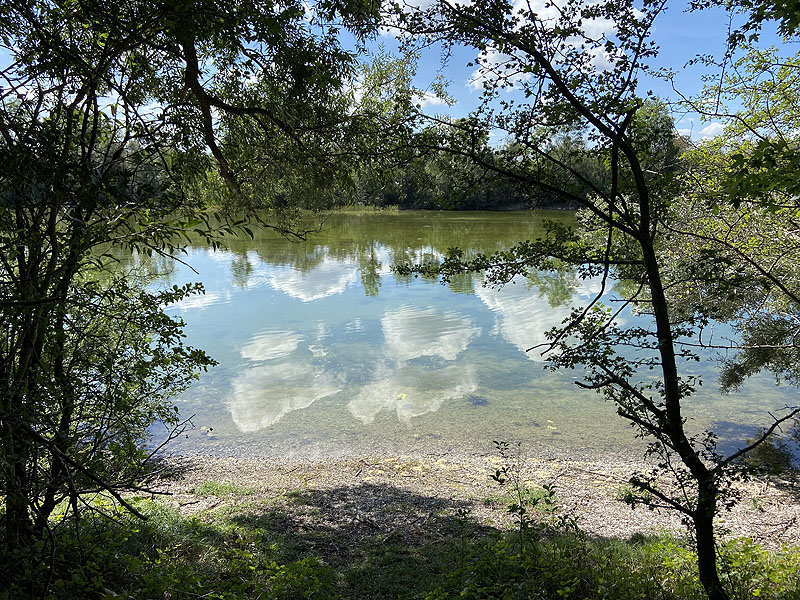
pixel 703 519
pixel 703 515
pixel 19 530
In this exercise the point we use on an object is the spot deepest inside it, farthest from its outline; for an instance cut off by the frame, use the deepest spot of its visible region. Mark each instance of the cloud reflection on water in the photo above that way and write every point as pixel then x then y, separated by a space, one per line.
pixel 263 395
pixel 413 332
pixel 200 301
pixel 524 316
pixel 412 391
pixel 270 345
pixel 328 278
pixel 403 381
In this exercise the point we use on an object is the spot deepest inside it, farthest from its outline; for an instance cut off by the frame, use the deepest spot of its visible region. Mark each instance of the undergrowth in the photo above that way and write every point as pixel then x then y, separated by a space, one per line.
pixel 237 554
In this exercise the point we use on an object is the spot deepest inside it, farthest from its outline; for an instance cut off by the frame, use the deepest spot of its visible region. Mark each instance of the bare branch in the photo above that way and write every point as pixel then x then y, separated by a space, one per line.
pixel 760 440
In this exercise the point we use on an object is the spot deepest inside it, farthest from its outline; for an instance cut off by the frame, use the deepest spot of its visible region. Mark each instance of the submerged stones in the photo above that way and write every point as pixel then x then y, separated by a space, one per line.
pixel 477 400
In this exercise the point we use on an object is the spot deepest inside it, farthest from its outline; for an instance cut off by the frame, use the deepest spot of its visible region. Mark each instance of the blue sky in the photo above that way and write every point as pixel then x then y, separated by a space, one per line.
pixel 680 35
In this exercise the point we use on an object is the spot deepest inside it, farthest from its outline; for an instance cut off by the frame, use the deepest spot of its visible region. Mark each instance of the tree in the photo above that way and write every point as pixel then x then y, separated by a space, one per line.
pixel 746 178
pixel 576 64
pixel 112 115
pixel 88 360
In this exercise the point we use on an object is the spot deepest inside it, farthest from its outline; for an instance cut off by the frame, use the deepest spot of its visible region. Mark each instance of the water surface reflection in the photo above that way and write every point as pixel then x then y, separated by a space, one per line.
pixel 324 350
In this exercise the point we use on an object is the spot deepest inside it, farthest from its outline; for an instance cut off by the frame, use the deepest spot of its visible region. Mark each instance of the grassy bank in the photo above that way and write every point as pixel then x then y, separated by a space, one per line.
pixel 390 528
pixel 255 551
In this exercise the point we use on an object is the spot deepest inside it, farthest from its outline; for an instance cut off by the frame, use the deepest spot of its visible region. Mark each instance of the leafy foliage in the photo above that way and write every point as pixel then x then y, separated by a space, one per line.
pixel 641 222
pixel 114 118
pixel 90 359
pixel 221 554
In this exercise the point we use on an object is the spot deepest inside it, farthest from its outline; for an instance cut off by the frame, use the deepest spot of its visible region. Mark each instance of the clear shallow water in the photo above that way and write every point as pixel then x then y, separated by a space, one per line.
pixel 324 351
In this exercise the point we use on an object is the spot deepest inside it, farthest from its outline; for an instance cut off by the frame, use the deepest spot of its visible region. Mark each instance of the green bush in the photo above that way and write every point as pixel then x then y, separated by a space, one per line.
pixel 235 555
pixel 570 565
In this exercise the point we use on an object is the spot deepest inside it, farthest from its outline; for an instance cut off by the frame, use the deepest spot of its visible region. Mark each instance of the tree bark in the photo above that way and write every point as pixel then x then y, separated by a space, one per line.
pixel 707 490
pixel 19 528
pixel 703 520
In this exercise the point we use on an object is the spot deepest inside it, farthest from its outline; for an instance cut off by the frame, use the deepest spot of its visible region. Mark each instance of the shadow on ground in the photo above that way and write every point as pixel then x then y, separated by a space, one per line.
pixel 388 539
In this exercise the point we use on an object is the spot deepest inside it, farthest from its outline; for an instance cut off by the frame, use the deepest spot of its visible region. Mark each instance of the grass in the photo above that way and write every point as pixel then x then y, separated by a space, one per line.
pixel 379 542
pixel 538 499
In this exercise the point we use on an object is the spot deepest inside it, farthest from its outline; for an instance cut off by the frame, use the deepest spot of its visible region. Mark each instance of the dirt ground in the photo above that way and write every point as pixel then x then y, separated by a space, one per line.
pixel 384 495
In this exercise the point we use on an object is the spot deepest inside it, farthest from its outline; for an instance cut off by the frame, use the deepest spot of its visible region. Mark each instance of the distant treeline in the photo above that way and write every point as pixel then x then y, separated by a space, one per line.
pixel 439 179
pixel 448 166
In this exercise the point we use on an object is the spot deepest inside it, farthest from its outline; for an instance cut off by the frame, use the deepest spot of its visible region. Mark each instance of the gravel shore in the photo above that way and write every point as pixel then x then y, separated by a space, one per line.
pixel 384 494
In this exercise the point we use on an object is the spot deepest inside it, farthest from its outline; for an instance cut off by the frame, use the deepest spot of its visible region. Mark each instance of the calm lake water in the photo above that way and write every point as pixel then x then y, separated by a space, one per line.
pixel 324 351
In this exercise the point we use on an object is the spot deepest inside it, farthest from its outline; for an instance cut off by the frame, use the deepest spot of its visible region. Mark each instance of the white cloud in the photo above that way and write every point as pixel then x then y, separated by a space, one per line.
pixel 357 89
pixel 598 28
pixel 418 4
pixel 309 11
pixel 603 61
pixel 711 130
pixel 389 27
pixel 428 99
pixel 492 68
pixel 547 14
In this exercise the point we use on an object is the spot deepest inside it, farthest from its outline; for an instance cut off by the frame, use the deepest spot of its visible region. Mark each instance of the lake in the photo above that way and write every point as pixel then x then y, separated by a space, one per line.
pixel 324 351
